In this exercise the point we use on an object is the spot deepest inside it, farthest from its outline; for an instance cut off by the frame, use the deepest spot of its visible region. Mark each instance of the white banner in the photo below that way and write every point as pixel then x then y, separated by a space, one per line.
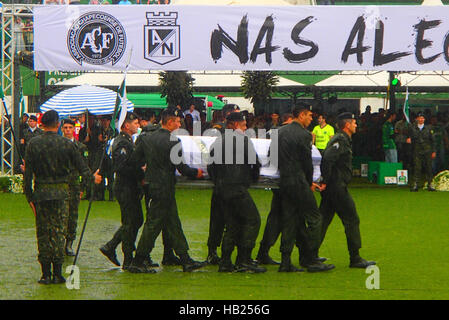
pixel 393 38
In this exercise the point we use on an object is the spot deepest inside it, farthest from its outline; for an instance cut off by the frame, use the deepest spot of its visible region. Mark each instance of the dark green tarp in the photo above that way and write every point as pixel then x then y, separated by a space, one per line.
pixel 155 101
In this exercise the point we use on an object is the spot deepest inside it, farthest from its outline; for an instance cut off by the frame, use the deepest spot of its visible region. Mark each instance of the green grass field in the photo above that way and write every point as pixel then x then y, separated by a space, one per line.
pixel 406 233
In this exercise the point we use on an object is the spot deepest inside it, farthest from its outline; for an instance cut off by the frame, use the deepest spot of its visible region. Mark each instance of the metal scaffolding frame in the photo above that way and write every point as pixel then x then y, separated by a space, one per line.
pixel 9 14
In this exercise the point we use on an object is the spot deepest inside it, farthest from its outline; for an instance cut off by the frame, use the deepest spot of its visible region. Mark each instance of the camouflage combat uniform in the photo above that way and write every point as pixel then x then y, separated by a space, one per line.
pixel 423 145
pixel 49 162
pixel 75 188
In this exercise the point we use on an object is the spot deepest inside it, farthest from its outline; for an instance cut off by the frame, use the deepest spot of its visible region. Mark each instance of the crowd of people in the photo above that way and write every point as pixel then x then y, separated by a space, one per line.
pixel 372 140
pixel 381 136
pixel 141 152
pixel 143 168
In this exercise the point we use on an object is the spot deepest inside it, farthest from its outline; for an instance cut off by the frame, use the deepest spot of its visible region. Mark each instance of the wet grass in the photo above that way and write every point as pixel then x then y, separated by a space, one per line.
pixel 406 233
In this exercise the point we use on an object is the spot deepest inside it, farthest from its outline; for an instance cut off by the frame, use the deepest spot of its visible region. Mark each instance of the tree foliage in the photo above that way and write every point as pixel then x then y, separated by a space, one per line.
pixel 259 86
pixel 177 87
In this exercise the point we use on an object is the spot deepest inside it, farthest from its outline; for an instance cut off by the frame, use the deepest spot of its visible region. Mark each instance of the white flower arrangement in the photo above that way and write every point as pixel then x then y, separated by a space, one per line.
pixel 441 181
pixel 11 183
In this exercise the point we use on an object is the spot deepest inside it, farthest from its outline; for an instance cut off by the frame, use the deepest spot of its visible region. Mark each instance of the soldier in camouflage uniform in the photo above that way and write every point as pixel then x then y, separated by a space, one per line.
pixel 423 151
pixel 232 179
pixel 75 187
pixel 49 161
pixel 336 171
pixel 155 152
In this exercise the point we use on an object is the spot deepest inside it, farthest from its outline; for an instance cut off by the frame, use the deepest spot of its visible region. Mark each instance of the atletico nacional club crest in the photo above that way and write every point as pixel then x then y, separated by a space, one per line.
pixel 161 37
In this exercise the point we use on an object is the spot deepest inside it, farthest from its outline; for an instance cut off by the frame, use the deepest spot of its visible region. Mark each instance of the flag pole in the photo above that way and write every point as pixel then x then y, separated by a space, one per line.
pixel 406 107
pixel 2 95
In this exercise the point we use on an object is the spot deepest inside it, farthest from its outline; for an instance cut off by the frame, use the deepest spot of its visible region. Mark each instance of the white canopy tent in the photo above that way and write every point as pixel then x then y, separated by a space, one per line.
pixel 140 79
pixel 432 3
pixel 204 80
pixel 356 78
pixel 381 78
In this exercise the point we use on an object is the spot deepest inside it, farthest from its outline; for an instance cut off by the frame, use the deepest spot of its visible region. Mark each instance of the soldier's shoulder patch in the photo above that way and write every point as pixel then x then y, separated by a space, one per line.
pixel 86 153
pixel 123 151
pixel 336 145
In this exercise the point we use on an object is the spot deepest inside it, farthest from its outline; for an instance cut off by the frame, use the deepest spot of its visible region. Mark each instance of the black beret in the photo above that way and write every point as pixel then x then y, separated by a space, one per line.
pixel 50 117
pixel 130 116
pixel 235 117
pixel 230 107
pixel 171 112
pixel 346 115
pixel 420 114
pixel 33 118
pixel 67 121
pixel 298 109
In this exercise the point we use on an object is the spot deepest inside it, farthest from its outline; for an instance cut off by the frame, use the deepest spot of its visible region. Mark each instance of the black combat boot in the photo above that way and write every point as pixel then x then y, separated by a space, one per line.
pixel 225 264
pixel 188 264
pixel 244 256
pixel 313 264
pixel 357 261
pixel 127 259
pixel 264 258
pixel 57 273
pixel 246 264
pixel 138 265
pixel 110 254
pixel 46 273
pixel 414 188
pixel 286 264
pixel 150 263
pixel 212 257
pixel 170 259
pixel 68 248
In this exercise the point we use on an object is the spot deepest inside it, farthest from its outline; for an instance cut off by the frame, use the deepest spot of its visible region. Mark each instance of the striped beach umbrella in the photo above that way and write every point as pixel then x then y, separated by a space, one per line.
pixel 75 101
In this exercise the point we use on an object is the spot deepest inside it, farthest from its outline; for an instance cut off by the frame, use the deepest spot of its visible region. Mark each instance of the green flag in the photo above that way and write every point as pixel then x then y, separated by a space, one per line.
pixel 118 103
pixel 121 106
pixel 406 108
pixel 21 103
